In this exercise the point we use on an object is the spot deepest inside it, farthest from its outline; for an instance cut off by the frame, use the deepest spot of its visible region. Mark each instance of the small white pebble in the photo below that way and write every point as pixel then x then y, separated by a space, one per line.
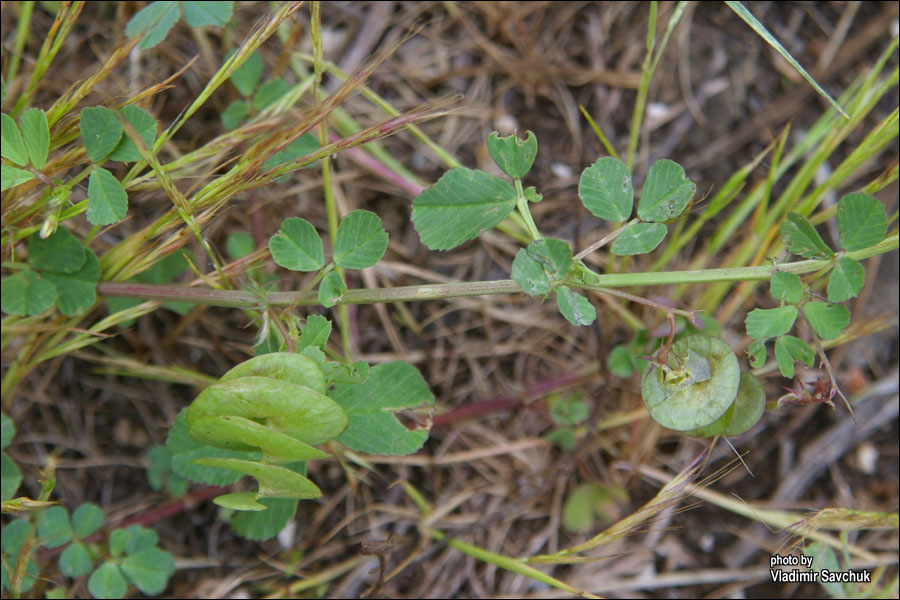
pixel 286 536
pixel 506 125
pixel 656 114
pixel 867 458
pixel 561 170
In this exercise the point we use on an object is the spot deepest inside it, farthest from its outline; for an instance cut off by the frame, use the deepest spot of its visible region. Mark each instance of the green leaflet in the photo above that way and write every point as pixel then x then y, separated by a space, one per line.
pixel 512 155
pixel 460 206
pixel 361 240
pixel 605 189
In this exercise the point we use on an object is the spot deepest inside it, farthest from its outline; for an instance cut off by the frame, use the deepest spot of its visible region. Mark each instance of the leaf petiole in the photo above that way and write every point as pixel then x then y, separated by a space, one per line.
pixel 522 205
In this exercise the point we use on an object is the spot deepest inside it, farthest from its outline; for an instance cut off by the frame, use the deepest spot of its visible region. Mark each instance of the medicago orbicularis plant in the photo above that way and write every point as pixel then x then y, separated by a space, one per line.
pixel 694 385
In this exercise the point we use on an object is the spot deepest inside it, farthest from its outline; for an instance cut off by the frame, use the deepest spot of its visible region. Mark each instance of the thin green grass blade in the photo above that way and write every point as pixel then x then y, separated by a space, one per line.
pixel 759 28
pixel 597 131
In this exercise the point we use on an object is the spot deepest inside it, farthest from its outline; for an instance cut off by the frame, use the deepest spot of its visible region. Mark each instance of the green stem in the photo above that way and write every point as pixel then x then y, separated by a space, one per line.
pixel 641 100
pixel 343 313
pixel 240 299
pixel 507 563
pixel 22 31
pixel 522 205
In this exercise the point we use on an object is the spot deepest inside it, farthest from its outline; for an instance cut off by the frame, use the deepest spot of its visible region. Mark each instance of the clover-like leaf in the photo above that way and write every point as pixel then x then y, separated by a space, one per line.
pixel 786 287
pixel 154 21
pixel 577 309
pixel 7 431
pixel 36 134
pixel 61 252
pixel 25 293
pixel 621 361
pixel 86 520
pixel 828 320
pixel 13 146
pixel 460 206
pixel 10 177
pixel 54 527
pixel 788 349
pixel 78 290
pixel 107 199
pixel 10 477
pixel 360 241
pixel 764 323
pixel 331 289
pixel 862 221
pixel 544 260
pixel 846 280
pixel 587 501
pixel 107 581
pixel 100 130
pixel 666 192
pixel 554 255
pixel 605 189
pixel 784 359
pixel 145 126
pixel 297 246
pixel 75 560
pixel 639 238
pixel 236 112
pixel 239 244
pixel 802 239
pixel 529 274
pixel 304 145
pixel 371 407
pixel 248 74
pixel 269 92
pixel 316 332
pixel 568 410
pixel 265 525
pixel 514 156
pixel 799 349
pixel 198 14
pixel 8 565
pixel 756 352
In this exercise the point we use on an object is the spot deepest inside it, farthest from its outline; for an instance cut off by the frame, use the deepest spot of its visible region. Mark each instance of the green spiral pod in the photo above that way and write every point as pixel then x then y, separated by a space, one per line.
pixel 697 386
pixel 701 390
pixel 274 403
